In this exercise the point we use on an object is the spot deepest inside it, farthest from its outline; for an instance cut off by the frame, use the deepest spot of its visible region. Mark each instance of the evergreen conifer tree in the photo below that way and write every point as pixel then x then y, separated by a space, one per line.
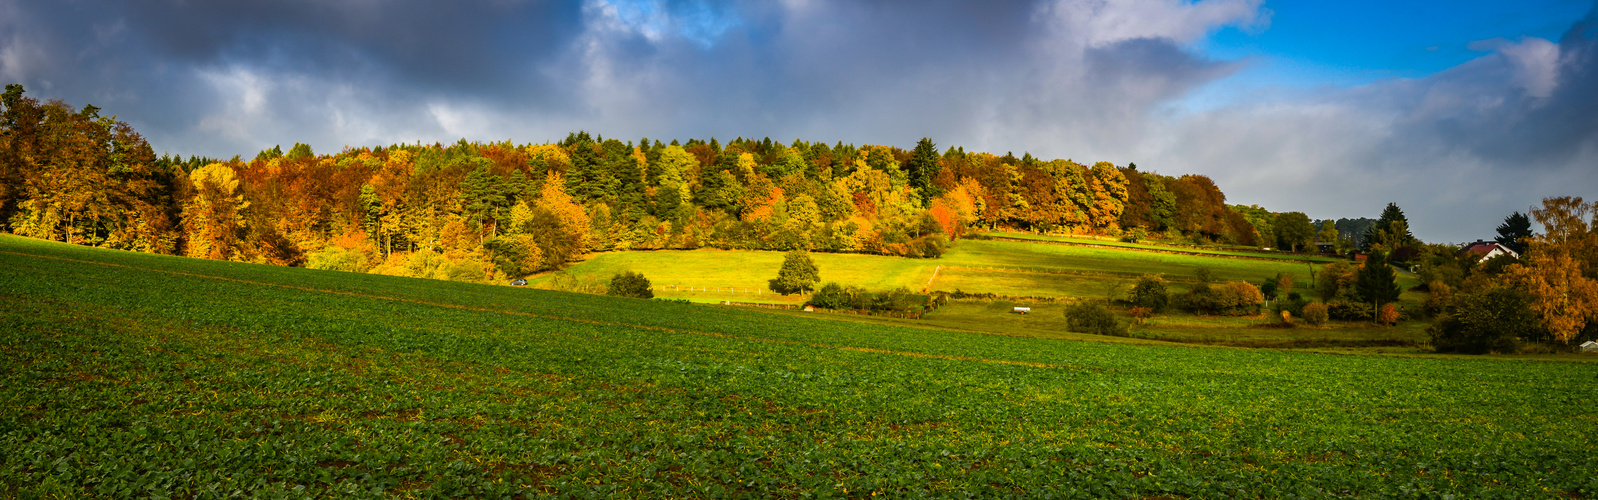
pixel 1514 231
pixel 1376 283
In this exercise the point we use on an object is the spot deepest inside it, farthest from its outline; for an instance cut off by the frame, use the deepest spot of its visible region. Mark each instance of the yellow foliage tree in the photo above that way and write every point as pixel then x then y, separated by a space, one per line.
pixel 1109 195
pixel 213 217
pixel 1559 269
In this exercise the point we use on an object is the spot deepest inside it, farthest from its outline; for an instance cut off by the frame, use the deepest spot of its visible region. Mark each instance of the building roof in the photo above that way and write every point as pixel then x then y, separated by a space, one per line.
pixel 1487 247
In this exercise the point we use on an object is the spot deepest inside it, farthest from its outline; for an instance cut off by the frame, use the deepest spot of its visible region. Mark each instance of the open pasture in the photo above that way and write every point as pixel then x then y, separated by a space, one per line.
pixel 1037 256
pixel 1189 249
pixel 141 375
pixel 746 271
pixel 1014 283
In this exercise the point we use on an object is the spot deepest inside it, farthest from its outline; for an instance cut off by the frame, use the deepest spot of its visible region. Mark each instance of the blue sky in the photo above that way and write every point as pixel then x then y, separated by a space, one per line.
pixel 1461 112
pixel 1314 44
pixel 1356 41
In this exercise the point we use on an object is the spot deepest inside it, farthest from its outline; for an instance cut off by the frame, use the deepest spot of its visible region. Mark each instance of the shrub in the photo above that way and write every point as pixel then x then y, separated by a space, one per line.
pixel 516 256
pixel 1141 313
pixel 336 258
pixel 1335 281
pixel 1234 298
pixel 1135 235
pixel 1388 315
pixel 1314 314
pixel 1343 310
pixel 1293 303
pixel 1092 318
pixel 1150 293
pixel 469 271
pixel 630 284
pixel 1238 298
pixel 901 300
pixel 1439 294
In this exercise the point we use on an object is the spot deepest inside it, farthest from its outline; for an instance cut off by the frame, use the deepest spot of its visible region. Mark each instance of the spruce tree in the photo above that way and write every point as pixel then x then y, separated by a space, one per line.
pixel 924 168
pixel 1513 232
pixel 1376 283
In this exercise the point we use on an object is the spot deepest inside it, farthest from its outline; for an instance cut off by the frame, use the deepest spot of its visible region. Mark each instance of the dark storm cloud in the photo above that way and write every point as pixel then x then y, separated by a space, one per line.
pixel 1549 115
pixel 218 77
pixel 451 46
pixel 173 67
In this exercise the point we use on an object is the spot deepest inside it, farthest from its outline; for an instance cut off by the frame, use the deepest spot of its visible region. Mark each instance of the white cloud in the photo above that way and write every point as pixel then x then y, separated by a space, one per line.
pixel 1097 23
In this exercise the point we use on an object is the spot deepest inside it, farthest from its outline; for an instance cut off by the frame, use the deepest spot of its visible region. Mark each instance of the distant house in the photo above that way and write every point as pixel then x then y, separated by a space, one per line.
pixel 1589 346
pixel 1484 250
pixel 1021 310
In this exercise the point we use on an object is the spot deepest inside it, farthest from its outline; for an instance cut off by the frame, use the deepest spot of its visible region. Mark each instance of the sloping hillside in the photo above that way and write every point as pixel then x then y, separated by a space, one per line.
pixel 142 375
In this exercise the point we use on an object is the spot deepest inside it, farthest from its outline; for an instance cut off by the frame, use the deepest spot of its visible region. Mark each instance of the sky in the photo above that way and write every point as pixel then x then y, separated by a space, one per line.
pixel 1459 111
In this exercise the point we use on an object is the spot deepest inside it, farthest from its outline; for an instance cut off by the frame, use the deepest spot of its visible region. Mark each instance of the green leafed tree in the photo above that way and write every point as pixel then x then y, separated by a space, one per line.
pixel 1151 293
pixel 798 274
pixel 1294 231
pixel 1488 321
pixel 300 151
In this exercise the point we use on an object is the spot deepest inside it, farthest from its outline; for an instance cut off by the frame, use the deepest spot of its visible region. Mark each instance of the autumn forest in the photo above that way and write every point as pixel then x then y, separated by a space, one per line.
pixel 476 211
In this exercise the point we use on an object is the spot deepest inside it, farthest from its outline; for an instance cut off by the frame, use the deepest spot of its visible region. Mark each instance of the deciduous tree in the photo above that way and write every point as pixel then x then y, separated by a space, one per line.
pixel 1560 270
pixel 1293 230
pixel 798 274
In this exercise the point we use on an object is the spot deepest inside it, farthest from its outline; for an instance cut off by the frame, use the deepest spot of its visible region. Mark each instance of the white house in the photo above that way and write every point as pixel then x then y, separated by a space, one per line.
pixel 1022 310
pixel 1489 249
pixel 1589 346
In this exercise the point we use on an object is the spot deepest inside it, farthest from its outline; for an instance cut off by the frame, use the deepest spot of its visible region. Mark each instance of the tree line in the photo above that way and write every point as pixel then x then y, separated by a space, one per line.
pixel 476 211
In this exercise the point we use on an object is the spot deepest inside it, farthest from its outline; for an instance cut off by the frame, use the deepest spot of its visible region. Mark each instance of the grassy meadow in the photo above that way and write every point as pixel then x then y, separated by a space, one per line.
pixel 1020 255
pixel 1012 268
pixel 142 375
pixel 1159 247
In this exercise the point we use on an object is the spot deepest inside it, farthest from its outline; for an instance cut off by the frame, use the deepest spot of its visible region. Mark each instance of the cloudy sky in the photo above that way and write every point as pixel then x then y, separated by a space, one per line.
pixel 1460 111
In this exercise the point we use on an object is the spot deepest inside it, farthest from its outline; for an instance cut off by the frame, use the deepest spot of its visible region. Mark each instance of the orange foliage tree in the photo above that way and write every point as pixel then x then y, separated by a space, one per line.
pixel 1560 270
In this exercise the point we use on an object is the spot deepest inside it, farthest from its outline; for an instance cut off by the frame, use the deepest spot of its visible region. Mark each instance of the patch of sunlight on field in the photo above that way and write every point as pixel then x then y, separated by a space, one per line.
pixel 750 269
pixel 1021 255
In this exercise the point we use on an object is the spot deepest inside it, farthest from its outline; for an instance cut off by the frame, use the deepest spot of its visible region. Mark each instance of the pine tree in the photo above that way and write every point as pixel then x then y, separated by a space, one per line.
pixel 1376 282
pixel 924 168
pixel 1514 231
pixel 1391 230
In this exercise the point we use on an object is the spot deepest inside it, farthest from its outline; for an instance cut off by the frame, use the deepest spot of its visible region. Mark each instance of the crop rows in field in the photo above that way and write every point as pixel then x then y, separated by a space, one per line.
pixel 137 375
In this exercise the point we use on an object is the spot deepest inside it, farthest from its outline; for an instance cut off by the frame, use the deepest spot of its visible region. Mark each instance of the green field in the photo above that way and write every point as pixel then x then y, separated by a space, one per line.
pixel 1013 268
pixel 1015 283
pixel 141 375
pixel 741 275
pixel 1045 257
